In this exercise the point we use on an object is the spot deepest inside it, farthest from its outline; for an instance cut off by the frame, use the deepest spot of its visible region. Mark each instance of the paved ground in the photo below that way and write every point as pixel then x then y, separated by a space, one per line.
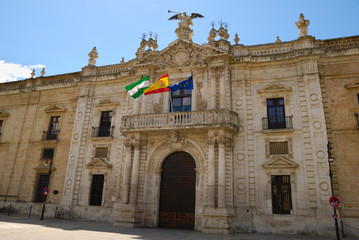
pixel 16 227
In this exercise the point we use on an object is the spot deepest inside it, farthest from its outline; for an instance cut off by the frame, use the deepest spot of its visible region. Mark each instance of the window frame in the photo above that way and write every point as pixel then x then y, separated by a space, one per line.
pixel 182 95
pixel 276 113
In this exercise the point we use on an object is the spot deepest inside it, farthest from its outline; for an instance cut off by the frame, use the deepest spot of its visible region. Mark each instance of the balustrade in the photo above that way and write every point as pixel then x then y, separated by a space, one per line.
pixel 198 119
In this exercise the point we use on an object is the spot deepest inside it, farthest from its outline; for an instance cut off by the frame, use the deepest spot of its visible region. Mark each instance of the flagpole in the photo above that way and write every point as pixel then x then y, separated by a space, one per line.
pixel 171 101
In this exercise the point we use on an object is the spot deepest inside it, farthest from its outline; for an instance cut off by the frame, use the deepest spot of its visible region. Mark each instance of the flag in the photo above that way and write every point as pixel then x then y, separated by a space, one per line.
pixel 159 86
pixel 136 89
pixel 185 84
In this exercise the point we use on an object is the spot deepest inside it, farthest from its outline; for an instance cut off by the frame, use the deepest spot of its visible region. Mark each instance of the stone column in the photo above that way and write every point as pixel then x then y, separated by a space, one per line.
pixel 212 103
pixel 126 174
pixel 135 170
pixel 222 89
pixel 221 173
pixel 211 174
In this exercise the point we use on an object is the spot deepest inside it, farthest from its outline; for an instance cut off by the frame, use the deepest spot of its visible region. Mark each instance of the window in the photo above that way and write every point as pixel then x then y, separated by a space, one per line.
pixel 281 194
pixel 96 190
pixel 48 153
pixel 101 152
pixel 278 148
pixel 276 114
pixel 181 100
pixel 105 124
pixel 41 184
pixel 1 121
pixel 53 127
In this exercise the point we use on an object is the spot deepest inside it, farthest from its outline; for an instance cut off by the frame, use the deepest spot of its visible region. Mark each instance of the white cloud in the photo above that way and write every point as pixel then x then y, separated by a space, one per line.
pixel 13 72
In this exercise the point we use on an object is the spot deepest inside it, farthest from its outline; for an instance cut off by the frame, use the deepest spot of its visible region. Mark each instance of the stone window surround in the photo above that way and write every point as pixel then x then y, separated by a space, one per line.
pixel 279 139
pixel 3 116
pixel 104 105
pixel 273 171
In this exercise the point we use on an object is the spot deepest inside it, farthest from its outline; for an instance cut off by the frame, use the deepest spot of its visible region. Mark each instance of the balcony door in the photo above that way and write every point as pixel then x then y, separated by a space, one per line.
pixel 178 192
pixel 181 100
pixel 105 124
pixel 53 127
pixel 276 114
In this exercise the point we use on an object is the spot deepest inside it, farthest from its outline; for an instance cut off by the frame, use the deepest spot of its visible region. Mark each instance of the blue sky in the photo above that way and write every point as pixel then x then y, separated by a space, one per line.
pixel 60 34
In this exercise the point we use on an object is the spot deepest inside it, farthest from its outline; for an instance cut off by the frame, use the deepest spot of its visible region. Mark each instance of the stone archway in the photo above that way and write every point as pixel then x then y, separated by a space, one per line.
pixel 178 192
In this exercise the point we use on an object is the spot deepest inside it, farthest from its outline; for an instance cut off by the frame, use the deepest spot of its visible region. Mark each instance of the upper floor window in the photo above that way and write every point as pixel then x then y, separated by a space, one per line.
pixel 105 124
pixel 281 194
pixel 358 97
pixel 1 121
pixel 101 152
pixel 48 153
pixel 53 129
pixel 275 113
pixel 181 100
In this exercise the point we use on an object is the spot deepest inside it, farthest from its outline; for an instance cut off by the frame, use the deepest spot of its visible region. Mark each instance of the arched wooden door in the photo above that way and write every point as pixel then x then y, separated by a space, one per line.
pixel 178 192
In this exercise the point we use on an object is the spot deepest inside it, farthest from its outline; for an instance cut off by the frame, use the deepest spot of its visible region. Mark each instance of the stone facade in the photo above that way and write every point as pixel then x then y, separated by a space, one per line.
pixel 227 132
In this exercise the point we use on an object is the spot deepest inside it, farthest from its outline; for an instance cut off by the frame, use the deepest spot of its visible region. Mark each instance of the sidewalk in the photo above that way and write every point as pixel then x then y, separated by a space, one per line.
pixel 18 227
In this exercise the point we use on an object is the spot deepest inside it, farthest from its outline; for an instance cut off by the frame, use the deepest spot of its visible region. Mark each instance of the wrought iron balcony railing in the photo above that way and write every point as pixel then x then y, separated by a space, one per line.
pixel 50 135
pixel 277 122
pixel 102 131
pixel 167 121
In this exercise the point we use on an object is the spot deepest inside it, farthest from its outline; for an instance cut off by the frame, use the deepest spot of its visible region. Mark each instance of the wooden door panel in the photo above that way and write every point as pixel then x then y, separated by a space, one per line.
pixel 178 190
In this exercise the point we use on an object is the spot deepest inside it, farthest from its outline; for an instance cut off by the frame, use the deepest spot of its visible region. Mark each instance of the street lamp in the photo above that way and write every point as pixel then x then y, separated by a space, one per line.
pixel 47 186
pixel 330 159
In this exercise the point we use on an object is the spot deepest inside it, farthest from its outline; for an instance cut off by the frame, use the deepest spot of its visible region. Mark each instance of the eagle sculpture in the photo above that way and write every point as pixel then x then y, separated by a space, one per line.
pixel 179 17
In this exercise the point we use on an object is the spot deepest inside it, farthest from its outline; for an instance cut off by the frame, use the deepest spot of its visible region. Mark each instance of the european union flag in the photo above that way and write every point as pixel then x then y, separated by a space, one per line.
pixel 185 84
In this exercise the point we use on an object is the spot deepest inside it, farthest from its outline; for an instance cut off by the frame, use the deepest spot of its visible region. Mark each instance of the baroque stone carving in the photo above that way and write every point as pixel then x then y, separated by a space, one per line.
pixel 176 141
pixel 302 25
pixel 93 56
pixel 184 31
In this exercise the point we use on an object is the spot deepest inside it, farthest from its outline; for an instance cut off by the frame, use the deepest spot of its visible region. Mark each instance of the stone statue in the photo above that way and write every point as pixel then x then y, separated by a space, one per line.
pixel 278 40
pixel 33 73
pixel 184 31
pixel 143 43
pixel 212 34
pixel 152 43
pixel 123 60
pixel 302 25
pixel 42 72
pixel 93 55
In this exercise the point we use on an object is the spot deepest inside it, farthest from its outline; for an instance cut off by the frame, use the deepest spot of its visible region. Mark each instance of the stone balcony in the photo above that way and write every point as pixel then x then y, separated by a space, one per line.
pixel 181 120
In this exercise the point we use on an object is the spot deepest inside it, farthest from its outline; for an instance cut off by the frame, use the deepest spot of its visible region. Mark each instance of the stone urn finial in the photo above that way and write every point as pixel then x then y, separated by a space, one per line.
pixel 93 55
pixel 302 25
pixel 236 39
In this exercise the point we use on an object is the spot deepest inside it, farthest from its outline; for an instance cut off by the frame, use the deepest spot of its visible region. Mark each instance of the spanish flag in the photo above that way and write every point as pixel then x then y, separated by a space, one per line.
pixel 159 86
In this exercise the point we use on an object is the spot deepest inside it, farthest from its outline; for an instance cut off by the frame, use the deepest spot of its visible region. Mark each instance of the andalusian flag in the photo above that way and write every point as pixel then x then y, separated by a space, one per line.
pixel 159 86
pixel 136 89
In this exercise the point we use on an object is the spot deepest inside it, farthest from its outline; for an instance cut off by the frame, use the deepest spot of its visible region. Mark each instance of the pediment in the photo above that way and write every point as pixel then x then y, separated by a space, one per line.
pixel 55 108
pixel 274 87
pixel 280 162
pixel 180 53
pixel 99 163
pixel 3 113
pixel 354 84
pixel 107 102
